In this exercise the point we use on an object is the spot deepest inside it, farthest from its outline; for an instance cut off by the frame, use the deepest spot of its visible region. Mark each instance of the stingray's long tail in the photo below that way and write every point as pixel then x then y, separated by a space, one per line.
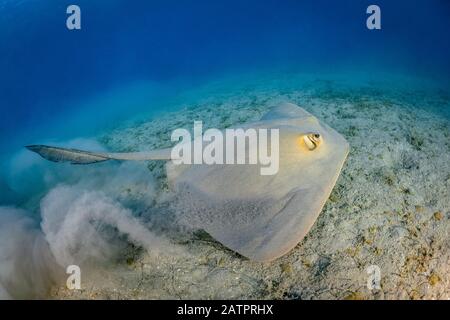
pixel 75 156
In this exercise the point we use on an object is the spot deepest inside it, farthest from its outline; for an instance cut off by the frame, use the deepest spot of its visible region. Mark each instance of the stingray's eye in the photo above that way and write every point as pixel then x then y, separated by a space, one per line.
pixel 312 140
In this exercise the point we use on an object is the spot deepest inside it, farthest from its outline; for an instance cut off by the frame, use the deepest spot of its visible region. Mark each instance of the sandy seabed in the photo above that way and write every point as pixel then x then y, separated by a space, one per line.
pixel 390 207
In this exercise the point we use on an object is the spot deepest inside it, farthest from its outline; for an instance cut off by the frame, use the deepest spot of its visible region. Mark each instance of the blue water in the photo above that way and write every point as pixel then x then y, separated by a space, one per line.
pixel 61 84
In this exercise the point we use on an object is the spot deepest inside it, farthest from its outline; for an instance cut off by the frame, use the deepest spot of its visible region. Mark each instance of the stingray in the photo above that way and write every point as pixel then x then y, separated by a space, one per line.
pixel 261 217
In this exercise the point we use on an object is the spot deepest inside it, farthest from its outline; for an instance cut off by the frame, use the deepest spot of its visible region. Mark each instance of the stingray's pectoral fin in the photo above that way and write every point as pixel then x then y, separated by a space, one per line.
pixel 73 156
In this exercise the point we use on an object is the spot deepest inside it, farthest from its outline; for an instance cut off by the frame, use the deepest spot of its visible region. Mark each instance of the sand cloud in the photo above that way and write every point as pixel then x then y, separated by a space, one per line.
pixel 84 215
